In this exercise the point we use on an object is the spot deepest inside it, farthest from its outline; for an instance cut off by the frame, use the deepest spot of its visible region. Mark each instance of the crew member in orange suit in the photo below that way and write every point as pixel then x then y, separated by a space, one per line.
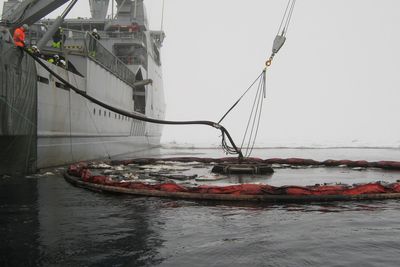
pixel 19 41
pixel 19 36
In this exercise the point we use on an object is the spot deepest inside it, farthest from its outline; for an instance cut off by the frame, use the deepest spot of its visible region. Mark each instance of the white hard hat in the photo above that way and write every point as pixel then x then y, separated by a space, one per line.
pixel 56 56
pixel 94 30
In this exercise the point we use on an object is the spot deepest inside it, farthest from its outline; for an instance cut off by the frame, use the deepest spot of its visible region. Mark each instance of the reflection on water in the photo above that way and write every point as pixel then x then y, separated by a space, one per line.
pixel 19 222
pixel 74 227
pixel 46 222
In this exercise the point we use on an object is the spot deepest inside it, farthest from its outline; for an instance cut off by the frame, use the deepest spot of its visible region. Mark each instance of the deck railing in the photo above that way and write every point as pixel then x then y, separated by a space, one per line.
pixel 96 51
pixel 85 44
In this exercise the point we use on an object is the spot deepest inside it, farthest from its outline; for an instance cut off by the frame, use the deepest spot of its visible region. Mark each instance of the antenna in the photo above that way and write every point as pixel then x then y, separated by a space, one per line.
pixel 162 16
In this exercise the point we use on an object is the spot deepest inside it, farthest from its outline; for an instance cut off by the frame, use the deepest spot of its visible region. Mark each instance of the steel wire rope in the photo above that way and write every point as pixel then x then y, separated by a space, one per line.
pixel 248 121
pixel 283 18
pixel 240 98
pixel 258 122
pixel 289 16
pixel 285 22
pixel 257 114
pixel 286 18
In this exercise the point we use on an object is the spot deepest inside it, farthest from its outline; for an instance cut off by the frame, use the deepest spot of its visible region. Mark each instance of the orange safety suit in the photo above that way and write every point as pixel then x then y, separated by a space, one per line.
pixel 19 37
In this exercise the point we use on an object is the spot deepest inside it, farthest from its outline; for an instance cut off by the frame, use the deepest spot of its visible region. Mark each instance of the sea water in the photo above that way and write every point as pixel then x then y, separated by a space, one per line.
pixel 45 221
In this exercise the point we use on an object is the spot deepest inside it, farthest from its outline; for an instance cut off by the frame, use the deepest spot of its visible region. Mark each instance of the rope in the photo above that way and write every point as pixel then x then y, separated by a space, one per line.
pixel 258 122
pixel 240 98
pixel 256 110
pixel 289 16
pixel 251 115
pixel 283 18
pixel 284 26
pixel 258 103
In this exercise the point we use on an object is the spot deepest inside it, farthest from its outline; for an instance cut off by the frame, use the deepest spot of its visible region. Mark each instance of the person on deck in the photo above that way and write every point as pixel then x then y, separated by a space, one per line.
pixel 58 38
pixel 95 34
pixel 35 51
pixel 19 36
pixel 54 60
pixel 93 42
pixel 19 41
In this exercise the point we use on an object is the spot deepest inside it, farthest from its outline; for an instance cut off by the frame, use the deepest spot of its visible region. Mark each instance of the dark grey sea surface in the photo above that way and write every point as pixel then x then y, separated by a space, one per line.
pixel 45 221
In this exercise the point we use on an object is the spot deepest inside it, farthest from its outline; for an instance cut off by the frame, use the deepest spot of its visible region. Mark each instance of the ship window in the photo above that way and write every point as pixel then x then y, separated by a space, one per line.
pixel 115 115
pixel 100 112
pixel 94 111
pixel 105 113
pixel 109 114
pixel 61 85
pixel 42 79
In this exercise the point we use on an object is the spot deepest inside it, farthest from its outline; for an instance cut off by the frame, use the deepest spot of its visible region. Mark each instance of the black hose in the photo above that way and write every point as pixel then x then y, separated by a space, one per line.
pixel 132 115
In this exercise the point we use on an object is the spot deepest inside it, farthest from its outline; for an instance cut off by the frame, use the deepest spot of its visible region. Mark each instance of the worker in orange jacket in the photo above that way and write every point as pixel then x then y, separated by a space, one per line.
pixel 19 41
pixel 19 36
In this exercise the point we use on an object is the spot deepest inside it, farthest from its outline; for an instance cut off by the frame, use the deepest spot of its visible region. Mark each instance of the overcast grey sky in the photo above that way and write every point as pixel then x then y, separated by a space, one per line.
pixel 335 82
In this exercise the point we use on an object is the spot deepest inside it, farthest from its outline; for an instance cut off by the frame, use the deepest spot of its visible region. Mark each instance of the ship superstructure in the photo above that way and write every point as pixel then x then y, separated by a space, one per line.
pixel 122 69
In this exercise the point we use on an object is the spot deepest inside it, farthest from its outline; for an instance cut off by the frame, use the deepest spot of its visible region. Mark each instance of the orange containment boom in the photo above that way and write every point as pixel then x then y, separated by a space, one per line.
pixel 80 175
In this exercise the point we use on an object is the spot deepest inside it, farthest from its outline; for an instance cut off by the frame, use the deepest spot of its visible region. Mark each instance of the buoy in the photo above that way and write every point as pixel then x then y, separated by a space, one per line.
pixel 242 169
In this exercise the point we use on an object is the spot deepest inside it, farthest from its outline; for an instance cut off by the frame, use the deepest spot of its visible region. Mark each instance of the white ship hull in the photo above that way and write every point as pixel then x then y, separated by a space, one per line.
pixel 70 128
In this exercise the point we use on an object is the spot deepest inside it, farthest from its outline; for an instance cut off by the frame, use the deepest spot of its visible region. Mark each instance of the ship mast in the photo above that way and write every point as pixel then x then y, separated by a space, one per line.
pixel 98 8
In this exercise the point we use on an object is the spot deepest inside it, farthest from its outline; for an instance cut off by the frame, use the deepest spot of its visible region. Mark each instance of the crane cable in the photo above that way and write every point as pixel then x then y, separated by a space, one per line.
pixel 282 31
pixel 255 114
pixel 255 117
pixel 278 43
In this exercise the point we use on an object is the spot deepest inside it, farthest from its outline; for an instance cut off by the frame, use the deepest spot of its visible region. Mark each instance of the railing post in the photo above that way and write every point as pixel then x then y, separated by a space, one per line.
pixel 86 43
